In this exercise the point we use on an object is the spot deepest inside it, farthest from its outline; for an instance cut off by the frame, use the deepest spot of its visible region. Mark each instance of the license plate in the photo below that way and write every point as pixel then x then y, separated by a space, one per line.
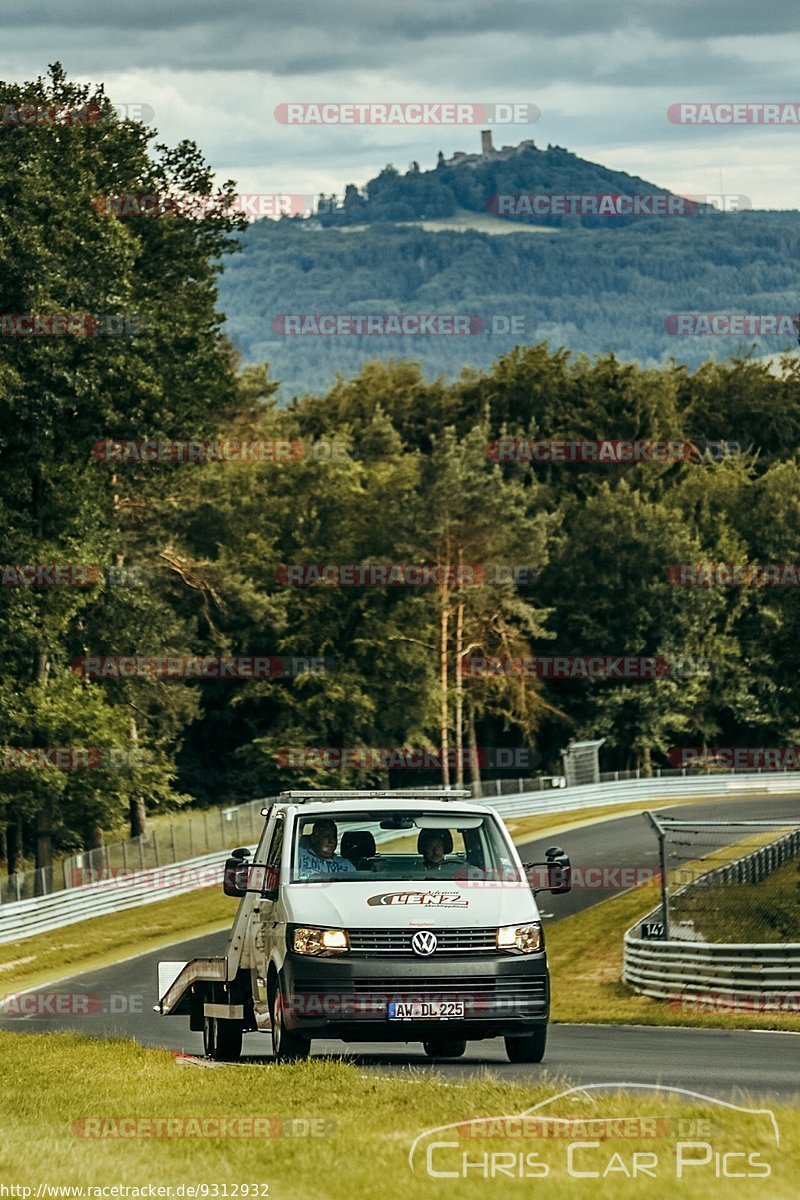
pixel 425 1010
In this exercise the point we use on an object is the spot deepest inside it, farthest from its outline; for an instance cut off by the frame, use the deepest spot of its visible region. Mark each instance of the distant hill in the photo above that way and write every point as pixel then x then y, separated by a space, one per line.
pixel 591 284
pixel 475 183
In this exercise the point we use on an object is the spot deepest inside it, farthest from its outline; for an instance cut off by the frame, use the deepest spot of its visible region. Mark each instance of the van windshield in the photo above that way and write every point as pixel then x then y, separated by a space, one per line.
pixel 409 845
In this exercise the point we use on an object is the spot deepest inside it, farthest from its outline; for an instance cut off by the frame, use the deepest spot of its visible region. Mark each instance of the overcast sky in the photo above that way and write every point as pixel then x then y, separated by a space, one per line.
pixel 602 72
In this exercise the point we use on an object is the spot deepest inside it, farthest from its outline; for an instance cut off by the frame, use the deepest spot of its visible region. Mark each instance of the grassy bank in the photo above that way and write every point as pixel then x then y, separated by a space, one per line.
pixel 768 911
pixel 365 1125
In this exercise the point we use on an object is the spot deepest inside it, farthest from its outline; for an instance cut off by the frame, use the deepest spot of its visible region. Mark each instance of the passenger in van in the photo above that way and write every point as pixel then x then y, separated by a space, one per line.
pixel 317 852
pixel 433 845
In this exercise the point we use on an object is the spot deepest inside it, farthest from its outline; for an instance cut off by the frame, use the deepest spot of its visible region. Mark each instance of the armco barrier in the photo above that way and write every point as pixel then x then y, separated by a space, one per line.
pixel 27 917
pixel 667 970
pixel 730 971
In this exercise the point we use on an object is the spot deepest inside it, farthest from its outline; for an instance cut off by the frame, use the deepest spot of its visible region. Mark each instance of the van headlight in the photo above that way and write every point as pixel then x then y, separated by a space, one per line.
pixel 525 939
pixel 319 941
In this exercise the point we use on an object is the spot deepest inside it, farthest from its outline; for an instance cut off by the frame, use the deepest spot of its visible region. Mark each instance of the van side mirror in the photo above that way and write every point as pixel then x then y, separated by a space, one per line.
pixel 263 879
pixel 554 875
pixel 234 876
pixel 559 871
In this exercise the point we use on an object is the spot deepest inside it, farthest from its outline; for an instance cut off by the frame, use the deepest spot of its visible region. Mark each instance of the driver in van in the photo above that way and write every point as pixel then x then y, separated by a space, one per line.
pixel 317 852
pixel 432 846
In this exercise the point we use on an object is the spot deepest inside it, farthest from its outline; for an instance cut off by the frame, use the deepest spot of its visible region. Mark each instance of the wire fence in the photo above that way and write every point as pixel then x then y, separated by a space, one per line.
pixel 209 830
pixel 736 882
pixel 188 837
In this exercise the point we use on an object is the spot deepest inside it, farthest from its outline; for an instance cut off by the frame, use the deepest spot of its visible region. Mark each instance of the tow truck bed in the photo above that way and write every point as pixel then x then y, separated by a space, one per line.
pixel 178 998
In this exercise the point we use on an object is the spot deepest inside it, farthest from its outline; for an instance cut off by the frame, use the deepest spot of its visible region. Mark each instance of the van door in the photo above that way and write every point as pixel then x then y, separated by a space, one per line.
pixel 264 928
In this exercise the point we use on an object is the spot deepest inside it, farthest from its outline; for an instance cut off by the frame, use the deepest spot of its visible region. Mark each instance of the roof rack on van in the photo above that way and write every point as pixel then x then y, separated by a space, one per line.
pixel 391 794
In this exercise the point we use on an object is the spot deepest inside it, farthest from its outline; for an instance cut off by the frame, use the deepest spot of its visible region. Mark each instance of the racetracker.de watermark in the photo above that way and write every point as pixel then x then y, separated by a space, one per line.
pixel 607 450
pixel 734 112
pixel 402 325
pixel 67 324
pixel 262 1128
pixel 403 758
pixel 176 878
pixel 379 324
pixel 29 115
pixel 403 574
pixel 734 1002
pixel 594 204
pixel 26 1005
pixel 602 450
pixel 734 574
pixel 57 758
pixel 717 324
pixel 48 575
pixel 248 666
pixel 196 204
pixel 407 112
pixel 741 758
pixel 196 450
pixel 38 115
pixel 566 666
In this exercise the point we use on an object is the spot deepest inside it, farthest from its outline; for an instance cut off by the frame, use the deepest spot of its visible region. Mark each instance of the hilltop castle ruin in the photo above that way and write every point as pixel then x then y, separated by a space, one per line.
pixel 461 159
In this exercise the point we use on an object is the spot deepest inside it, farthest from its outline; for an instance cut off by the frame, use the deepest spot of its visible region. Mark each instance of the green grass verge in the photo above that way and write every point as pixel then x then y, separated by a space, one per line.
pixel 745 912
pixel 368 1123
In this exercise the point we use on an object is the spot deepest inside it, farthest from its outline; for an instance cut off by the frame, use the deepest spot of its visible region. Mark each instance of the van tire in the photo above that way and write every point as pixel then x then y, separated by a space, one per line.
pixel 528 1049
pixel 287 1046
pixel 222 1039
pixel 444 1048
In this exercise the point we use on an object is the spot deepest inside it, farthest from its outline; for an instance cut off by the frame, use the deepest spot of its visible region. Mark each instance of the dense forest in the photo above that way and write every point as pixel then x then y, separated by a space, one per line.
pixel 590 290
pixel 191 558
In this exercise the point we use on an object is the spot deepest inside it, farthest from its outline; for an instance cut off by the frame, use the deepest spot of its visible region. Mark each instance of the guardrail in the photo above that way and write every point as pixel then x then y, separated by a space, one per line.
pixel 44 913
pixel 731 970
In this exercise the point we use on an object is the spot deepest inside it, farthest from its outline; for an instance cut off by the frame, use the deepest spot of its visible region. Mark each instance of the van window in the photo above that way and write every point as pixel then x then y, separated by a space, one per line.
pixel 359 846
pixel 276 845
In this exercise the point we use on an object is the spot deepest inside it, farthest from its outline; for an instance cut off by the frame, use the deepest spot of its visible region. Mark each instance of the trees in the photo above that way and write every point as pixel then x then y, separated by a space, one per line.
pixel 147 360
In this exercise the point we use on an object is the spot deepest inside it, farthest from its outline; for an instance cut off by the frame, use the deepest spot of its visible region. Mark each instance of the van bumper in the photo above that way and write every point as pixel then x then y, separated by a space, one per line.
pixel 503 995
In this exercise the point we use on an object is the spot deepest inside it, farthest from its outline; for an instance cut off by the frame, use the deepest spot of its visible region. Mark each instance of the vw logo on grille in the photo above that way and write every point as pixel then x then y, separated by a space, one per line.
pixel 424 942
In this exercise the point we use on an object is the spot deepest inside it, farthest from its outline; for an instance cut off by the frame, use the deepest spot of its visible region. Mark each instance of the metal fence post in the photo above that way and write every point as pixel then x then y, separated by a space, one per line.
pixel 662 858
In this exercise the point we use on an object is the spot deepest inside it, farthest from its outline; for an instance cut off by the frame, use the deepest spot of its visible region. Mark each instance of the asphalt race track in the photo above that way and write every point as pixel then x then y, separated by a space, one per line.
pixel 119 998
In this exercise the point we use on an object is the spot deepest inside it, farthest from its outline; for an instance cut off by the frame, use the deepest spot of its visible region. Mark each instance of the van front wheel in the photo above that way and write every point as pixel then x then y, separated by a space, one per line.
pixel 528 1049
pixel 287 1046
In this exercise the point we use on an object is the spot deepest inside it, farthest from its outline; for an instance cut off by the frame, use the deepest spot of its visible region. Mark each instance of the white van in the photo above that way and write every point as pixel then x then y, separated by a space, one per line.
pixel 377 916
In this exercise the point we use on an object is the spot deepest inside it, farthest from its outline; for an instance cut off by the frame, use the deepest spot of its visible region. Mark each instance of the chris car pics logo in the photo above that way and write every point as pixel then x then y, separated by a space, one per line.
pixel 610 1131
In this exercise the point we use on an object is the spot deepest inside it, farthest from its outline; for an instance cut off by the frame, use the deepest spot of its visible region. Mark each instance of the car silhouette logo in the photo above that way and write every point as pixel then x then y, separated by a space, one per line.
pixel 424 942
